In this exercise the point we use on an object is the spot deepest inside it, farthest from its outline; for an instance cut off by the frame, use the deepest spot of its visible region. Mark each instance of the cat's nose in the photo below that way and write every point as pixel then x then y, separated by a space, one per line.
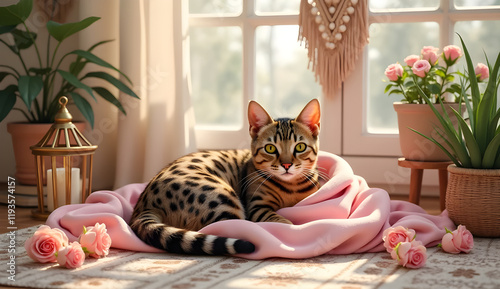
pixel 286 166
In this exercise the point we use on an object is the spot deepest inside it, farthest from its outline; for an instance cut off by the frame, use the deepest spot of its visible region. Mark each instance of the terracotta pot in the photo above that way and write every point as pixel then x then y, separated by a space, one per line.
pixel 25 135
pixel 421 118
pixel 473 200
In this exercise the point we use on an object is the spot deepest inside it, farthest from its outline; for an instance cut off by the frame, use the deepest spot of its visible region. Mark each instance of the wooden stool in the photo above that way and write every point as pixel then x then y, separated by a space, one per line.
pixel 417 172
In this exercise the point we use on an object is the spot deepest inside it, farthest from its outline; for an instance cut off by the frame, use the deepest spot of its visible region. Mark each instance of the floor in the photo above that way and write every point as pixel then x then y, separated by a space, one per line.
pixel 23 219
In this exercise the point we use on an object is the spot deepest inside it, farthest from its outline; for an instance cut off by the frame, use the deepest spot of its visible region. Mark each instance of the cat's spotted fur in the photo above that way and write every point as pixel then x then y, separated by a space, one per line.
pixel 206 187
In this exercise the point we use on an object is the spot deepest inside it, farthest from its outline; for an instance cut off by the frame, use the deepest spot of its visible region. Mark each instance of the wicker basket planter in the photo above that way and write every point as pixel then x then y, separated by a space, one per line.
pixel 473 200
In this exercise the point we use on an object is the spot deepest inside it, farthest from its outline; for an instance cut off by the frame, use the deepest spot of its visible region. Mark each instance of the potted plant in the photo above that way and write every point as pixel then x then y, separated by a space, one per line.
pixel 39 86
pixel 473 193
pixel 435 78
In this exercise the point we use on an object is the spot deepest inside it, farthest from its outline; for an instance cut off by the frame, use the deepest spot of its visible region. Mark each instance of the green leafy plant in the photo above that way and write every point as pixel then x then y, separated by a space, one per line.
pixel 476 143
pixel 42 77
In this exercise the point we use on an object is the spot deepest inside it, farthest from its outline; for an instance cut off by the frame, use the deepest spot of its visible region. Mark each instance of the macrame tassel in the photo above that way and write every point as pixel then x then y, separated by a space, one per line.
pixel 334 32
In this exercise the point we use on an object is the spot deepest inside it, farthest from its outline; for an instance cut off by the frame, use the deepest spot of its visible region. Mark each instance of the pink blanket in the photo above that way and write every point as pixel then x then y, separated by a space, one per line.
pixel 344 216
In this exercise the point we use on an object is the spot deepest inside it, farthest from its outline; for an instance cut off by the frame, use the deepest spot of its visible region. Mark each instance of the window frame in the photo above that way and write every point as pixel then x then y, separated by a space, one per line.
pixel 212 137
pixel 365 150
pixel 357 140
pixel 343 115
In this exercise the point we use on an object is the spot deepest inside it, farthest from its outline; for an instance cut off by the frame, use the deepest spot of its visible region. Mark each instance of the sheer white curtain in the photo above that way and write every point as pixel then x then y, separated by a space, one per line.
pixel 159 127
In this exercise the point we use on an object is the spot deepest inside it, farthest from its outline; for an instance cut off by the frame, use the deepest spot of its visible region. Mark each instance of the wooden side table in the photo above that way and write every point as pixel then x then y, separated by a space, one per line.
pixel 417 172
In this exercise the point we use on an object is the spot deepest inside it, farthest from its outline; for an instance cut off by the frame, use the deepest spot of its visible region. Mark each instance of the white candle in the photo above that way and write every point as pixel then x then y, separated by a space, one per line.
pixel 76 188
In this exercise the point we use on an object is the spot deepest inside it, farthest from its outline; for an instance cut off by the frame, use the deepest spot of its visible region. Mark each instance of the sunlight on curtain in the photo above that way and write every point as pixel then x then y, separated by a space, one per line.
pixel 160 127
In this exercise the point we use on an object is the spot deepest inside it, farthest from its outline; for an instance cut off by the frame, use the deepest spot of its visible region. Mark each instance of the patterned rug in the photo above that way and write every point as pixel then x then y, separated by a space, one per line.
pixel 126 269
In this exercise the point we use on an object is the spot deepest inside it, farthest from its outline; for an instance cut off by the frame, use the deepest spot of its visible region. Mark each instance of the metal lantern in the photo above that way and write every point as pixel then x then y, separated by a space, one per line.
pixel 69 157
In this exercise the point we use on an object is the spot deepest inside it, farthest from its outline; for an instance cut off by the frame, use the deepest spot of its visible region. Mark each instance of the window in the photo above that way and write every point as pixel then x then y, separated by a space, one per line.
pixel 247 49
pixel 398 29
pixel 244 50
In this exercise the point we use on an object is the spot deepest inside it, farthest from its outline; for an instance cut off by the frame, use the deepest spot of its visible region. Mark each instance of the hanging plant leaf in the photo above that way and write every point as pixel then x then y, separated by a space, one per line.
pixel 23 39
pixel 84 106
pixel 40 71
pixel 15 14
pixel 75 82
pixel 7 29
pixel 109 78
pixel 96 60
pixel 107 95
pixel 3 75
pixel 77 66
pixel 7 100
pixel 13 48
pixel 63 31
pixel 29 88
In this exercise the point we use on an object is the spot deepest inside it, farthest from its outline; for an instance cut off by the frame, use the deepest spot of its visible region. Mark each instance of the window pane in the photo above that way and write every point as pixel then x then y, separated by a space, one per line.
pixel 472 3
pixel 477 35
pixel 397 4
pixel 478 39
pixel 277 6
pixel 215 7
pixel 391 43
pixel 216 74
pixel 283 84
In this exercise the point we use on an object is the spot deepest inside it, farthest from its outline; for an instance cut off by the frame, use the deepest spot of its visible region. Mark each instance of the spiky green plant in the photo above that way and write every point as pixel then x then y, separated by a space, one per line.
pixel 475 144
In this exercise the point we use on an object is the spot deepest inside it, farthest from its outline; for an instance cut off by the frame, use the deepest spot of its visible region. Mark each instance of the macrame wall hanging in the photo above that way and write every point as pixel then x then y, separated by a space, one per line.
pixel 334 32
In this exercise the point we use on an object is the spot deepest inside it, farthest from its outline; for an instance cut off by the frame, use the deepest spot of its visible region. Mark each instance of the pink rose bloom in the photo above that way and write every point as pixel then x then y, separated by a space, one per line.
pixel 429 53
pixel 71 256
pixel 421 68
pixel 482 71
pixel 451 53
pixel 410 254
pixel 95 241
pixel 460 240
pixel 45 243
pixel 411 59
pixel 394 71
pixel 393 236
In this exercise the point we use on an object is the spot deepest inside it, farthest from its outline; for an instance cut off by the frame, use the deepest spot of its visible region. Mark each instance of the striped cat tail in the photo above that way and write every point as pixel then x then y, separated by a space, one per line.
pixel 149 228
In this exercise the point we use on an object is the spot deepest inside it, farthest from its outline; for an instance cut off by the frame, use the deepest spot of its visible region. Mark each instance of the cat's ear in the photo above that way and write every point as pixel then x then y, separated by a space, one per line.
pixel 257 118
pixel 310 116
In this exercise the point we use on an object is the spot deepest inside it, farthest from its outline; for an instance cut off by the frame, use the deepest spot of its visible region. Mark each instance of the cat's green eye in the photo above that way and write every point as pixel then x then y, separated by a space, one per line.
pixel 300 147
pixel 270 149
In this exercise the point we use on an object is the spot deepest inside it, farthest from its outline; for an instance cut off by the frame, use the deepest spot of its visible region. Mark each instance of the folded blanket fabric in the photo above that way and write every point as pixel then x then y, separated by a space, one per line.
pixel 344 216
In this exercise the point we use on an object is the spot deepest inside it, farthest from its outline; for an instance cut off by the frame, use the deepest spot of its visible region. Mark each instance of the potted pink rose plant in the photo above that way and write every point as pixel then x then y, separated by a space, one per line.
pixel 473 193
pixel 432 71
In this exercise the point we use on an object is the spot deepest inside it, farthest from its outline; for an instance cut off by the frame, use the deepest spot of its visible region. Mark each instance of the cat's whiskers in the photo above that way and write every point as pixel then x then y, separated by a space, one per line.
pixel 309 174
pixel 255 176
pixel 262 174
pixel 324 176
pixel 249 180
pixel 321 174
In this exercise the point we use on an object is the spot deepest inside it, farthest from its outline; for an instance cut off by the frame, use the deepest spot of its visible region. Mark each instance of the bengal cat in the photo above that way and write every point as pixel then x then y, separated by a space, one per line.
pixel 209 186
